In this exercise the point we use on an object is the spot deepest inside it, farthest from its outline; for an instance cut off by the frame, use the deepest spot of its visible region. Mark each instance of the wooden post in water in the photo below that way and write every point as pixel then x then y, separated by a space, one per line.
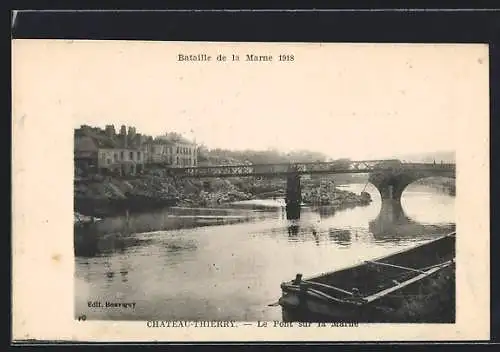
pixel 293 196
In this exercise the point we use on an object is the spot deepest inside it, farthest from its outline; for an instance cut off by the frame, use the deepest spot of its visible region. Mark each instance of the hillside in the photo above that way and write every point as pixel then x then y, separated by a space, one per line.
pixel 224 157
pixel 438 156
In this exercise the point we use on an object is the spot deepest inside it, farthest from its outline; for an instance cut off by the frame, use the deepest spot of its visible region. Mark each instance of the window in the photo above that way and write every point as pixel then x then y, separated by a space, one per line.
pixel 131 155
pixel 121 155
pixel 138 155
pixel 116 156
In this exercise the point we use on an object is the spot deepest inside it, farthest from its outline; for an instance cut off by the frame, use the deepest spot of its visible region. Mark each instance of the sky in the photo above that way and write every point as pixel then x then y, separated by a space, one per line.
pixel 345 100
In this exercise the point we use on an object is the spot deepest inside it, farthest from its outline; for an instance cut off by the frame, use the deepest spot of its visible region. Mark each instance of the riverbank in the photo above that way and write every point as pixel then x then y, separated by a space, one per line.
pixel 442 184
pixel 110 196
pixel 325 192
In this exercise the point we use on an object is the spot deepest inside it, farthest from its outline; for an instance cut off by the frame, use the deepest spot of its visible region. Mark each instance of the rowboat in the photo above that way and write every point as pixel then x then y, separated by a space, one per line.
pixel 416 285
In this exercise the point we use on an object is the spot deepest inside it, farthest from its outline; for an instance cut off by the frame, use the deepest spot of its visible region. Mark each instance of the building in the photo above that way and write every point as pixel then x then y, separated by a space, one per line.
pixel 174 150
pixel 106 152
pixel 159 151
pixel 127 152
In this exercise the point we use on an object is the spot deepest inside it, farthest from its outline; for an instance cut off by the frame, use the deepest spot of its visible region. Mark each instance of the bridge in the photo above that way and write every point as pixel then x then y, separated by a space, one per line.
pixel 390 177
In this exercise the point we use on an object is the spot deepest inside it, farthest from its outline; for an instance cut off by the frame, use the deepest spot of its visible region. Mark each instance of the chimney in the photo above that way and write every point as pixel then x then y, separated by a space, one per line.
pixel 131 137
pixel 110 131
pixel 139 139
pixel 123 136
pixel 131 132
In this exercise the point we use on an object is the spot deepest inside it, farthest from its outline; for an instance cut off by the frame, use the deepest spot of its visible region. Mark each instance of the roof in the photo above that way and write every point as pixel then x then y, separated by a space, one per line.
pixel 163 141
pixel 175 138
pixel 101 140
pixel 104 141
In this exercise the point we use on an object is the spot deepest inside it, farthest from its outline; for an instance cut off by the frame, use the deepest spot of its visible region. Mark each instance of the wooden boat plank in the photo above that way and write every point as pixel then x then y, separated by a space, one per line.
pixel 394 266
pixel 382 293
pixel 316 293
pixel 322 294
pixel 439 264
pixel 319 284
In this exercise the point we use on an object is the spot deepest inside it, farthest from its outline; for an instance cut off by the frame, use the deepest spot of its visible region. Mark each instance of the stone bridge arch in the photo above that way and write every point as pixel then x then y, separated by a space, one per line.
pixel 392 183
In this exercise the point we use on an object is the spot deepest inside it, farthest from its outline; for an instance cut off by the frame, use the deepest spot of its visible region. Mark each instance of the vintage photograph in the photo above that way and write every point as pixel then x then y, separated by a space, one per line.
pixel 222 183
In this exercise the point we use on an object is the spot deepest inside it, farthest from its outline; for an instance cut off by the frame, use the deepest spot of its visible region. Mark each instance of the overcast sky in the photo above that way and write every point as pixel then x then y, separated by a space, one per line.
pixel 358 101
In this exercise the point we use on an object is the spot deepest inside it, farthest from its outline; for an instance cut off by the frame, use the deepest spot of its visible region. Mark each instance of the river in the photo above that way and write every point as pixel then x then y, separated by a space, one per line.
pixel 233 271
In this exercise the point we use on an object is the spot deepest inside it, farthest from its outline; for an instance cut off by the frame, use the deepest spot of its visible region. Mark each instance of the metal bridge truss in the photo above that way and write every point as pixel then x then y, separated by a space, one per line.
pixel 334 167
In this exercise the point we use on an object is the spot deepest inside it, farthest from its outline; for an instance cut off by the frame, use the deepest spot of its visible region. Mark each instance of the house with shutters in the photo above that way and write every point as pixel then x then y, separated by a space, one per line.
pixel 106 152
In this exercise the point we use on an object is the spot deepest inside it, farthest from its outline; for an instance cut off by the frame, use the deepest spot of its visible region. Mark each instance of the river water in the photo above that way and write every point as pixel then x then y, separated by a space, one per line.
pixel 233 271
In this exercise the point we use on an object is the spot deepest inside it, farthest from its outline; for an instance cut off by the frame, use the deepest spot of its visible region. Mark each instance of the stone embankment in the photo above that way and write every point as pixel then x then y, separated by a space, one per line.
pixel 325 193
pixel 108 196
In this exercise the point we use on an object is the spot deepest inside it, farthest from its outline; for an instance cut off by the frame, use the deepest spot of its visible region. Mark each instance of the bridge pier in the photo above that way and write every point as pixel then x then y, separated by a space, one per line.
pixel 293 196
pixel 393 223
pixel 391 192
pixel 391 186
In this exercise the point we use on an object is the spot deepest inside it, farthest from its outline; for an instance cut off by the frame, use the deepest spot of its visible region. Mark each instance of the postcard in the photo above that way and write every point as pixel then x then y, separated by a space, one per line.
pixel 195 191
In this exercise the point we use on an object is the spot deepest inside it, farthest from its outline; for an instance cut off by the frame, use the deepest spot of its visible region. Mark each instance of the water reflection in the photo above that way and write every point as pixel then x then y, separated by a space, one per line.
pixel 173 218
pixel 89 244
pixel 392 224
pixel 124 273
pixel 233 271
pixel 307 232
pixel 323 223
pixel 326 211
pixel 176 245
pixel 298 234
pixel 117 234
pixel 110 275
pixel 293 231
pixel 340 237
pixel 316 236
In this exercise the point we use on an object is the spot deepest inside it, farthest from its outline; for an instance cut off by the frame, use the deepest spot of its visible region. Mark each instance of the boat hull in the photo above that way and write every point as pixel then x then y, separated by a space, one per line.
pixel 430 301
pixel 422 296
